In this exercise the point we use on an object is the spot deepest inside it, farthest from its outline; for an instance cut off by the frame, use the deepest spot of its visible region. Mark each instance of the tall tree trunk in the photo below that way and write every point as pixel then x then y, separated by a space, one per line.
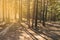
pixel 15 7
pixel 33 15
pixel 28 12
pixel 43 13
pixel 40 11
pixel 8 13
pixel 3 10
pixel 21 11
pixel 36 15
pixel 46 6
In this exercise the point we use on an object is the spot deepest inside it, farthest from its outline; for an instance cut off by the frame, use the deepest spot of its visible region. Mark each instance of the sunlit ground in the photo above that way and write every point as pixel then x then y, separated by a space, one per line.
pixel 16 31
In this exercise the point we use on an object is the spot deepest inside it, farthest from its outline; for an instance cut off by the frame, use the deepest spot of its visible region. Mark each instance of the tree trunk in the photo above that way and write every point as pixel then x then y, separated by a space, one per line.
pixel 28 12
pixel 3 11
pixel 36 14
pixel 43 13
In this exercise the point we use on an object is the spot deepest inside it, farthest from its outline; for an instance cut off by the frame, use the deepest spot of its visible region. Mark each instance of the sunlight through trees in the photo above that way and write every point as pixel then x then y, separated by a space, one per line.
pixel 42 10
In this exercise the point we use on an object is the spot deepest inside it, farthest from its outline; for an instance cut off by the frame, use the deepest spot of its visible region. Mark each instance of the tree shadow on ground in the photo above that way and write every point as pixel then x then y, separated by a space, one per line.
pixel 12 34
pixel 51 25
pixel 47 33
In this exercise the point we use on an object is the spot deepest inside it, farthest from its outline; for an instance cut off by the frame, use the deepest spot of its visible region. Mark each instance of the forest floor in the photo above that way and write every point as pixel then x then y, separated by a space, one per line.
pixel 15 31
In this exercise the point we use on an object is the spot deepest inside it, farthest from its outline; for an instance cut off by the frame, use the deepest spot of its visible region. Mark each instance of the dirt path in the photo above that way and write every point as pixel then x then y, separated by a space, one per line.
pixel 22 32
pixel 3 32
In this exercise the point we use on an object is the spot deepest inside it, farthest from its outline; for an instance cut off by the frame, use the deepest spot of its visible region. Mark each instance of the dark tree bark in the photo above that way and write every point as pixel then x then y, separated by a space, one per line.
pixel 36 14
pixel 43 13
pixel 46 7
pixel 33 15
